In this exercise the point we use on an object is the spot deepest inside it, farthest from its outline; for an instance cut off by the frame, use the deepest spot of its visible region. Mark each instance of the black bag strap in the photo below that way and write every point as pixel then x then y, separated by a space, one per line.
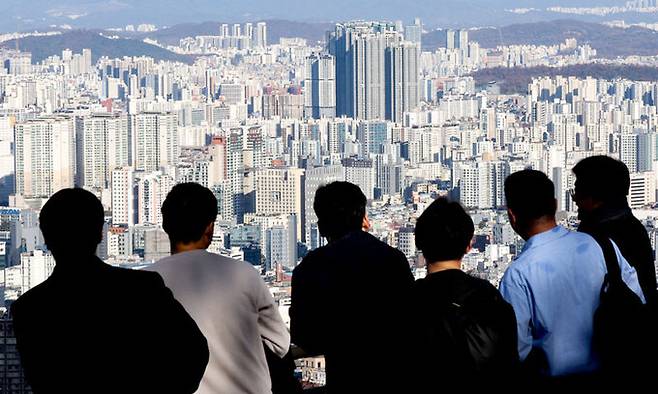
pixel 610 256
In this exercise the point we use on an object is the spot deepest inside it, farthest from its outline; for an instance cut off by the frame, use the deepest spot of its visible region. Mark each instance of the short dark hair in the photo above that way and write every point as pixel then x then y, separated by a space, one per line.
pixel 603 178
pixel 530 195
pixel 72 222
pixel 443 231
pixel 187 211
pixel 340 208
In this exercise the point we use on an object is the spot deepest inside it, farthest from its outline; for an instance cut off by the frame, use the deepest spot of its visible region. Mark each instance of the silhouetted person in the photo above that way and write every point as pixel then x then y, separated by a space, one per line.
pixel 94 328
pixel 350 299
pixel 554 285
pixel 601 190
pixel 227 298
pixel 467 331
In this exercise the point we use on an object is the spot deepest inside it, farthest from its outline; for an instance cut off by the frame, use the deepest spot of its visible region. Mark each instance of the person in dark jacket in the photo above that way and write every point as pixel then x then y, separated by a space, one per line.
pixel 600 192
pixel 350 299
pixel 467 330
pixel 94 328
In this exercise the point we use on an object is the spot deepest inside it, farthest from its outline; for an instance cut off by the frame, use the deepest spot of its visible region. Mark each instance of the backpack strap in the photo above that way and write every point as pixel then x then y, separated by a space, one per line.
pixel 610 256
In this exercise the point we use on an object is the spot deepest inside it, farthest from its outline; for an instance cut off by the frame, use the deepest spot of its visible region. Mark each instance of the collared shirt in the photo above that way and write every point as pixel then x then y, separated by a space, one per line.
pixel 554 286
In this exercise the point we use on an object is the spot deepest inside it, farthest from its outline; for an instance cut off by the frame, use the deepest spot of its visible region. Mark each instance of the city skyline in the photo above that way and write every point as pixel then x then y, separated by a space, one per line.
pixel 264 123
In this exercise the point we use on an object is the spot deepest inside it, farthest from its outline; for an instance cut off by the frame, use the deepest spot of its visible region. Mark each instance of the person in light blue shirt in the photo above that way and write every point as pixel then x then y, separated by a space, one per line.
pixel 554 284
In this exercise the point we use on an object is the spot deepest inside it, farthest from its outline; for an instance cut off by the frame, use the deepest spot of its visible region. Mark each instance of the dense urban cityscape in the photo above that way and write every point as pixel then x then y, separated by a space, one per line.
pixel 264 124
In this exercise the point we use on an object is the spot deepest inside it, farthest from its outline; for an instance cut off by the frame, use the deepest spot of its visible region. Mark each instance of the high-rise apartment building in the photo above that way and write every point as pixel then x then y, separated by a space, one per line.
pixel 389 175
pixel 36 267
pixel 642 191
pixel 462 39
pixel 278 238
pixel 372 135
pixel 237 30
pixel 103 143
pixel 152 189
pixel 457 39
pixel 451 39
pixel 217 154
pixel 405 241
pixel 414 33
pixel 320 86
pixel 45 156
pixel 232 93
pixel 361 172
pixel 155 141
pixel 224 30
pixel 123 196
pixel 232 189
pixel 402 73
pixel 12 378
pixel 481 183
pixel 281 191
pixel 628 151
pixel 249 31
pixel 7 163
pixel 375 66
pixel 314 178
pixel 260 35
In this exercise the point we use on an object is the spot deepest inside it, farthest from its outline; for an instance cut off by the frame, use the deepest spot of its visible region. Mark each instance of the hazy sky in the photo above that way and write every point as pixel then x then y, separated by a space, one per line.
pixel 93 13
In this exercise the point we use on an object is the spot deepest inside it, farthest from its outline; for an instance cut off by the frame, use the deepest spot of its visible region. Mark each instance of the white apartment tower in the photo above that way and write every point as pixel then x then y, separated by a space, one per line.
pixel 36 267
pixel 45 156
pixel 123 196
pixel 361 172
pixel 102 144
pixel 155 141
pixel 481 183
pixel 260 35
pixel 152 189
pixel 280 191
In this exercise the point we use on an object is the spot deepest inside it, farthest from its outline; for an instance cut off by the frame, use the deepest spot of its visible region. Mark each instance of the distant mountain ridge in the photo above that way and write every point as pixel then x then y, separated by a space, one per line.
pixel 610 42
pixel 276 28
pixel 45 46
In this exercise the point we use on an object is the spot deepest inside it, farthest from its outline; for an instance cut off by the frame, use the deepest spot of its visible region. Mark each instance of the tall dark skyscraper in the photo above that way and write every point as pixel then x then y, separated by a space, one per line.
pixel 376 71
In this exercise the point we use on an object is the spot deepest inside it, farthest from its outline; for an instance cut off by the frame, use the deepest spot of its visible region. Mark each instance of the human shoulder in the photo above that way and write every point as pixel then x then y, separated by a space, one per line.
pixel 226 266
pixel 132 276
pixel 312 260
pixel 200 260
pixel 517 273
pixel 137 281
pixel 33 297
pixel 481 285
pixel 489 294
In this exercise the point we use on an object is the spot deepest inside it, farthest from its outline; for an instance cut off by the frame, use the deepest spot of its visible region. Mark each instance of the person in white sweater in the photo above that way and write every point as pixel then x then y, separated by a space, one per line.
pixel 227 298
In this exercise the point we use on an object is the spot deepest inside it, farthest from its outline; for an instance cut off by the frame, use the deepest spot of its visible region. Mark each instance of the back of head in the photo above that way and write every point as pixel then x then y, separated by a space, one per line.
pixel 530 196
pixel 187 211
pixel 603 179
pixel 444 231
pixel 72 222
pixel 340 208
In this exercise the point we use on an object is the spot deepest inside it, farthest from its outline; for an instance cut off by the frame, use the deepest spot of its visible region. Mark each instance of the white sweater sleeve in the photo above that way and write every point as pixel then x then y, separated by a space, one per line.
pixel 273 331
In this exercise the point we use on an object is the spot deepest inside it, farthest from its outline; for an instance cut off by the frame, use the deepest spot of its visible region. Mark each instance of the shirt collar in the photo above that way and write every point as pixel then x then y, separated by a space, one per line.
pixel 545 237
